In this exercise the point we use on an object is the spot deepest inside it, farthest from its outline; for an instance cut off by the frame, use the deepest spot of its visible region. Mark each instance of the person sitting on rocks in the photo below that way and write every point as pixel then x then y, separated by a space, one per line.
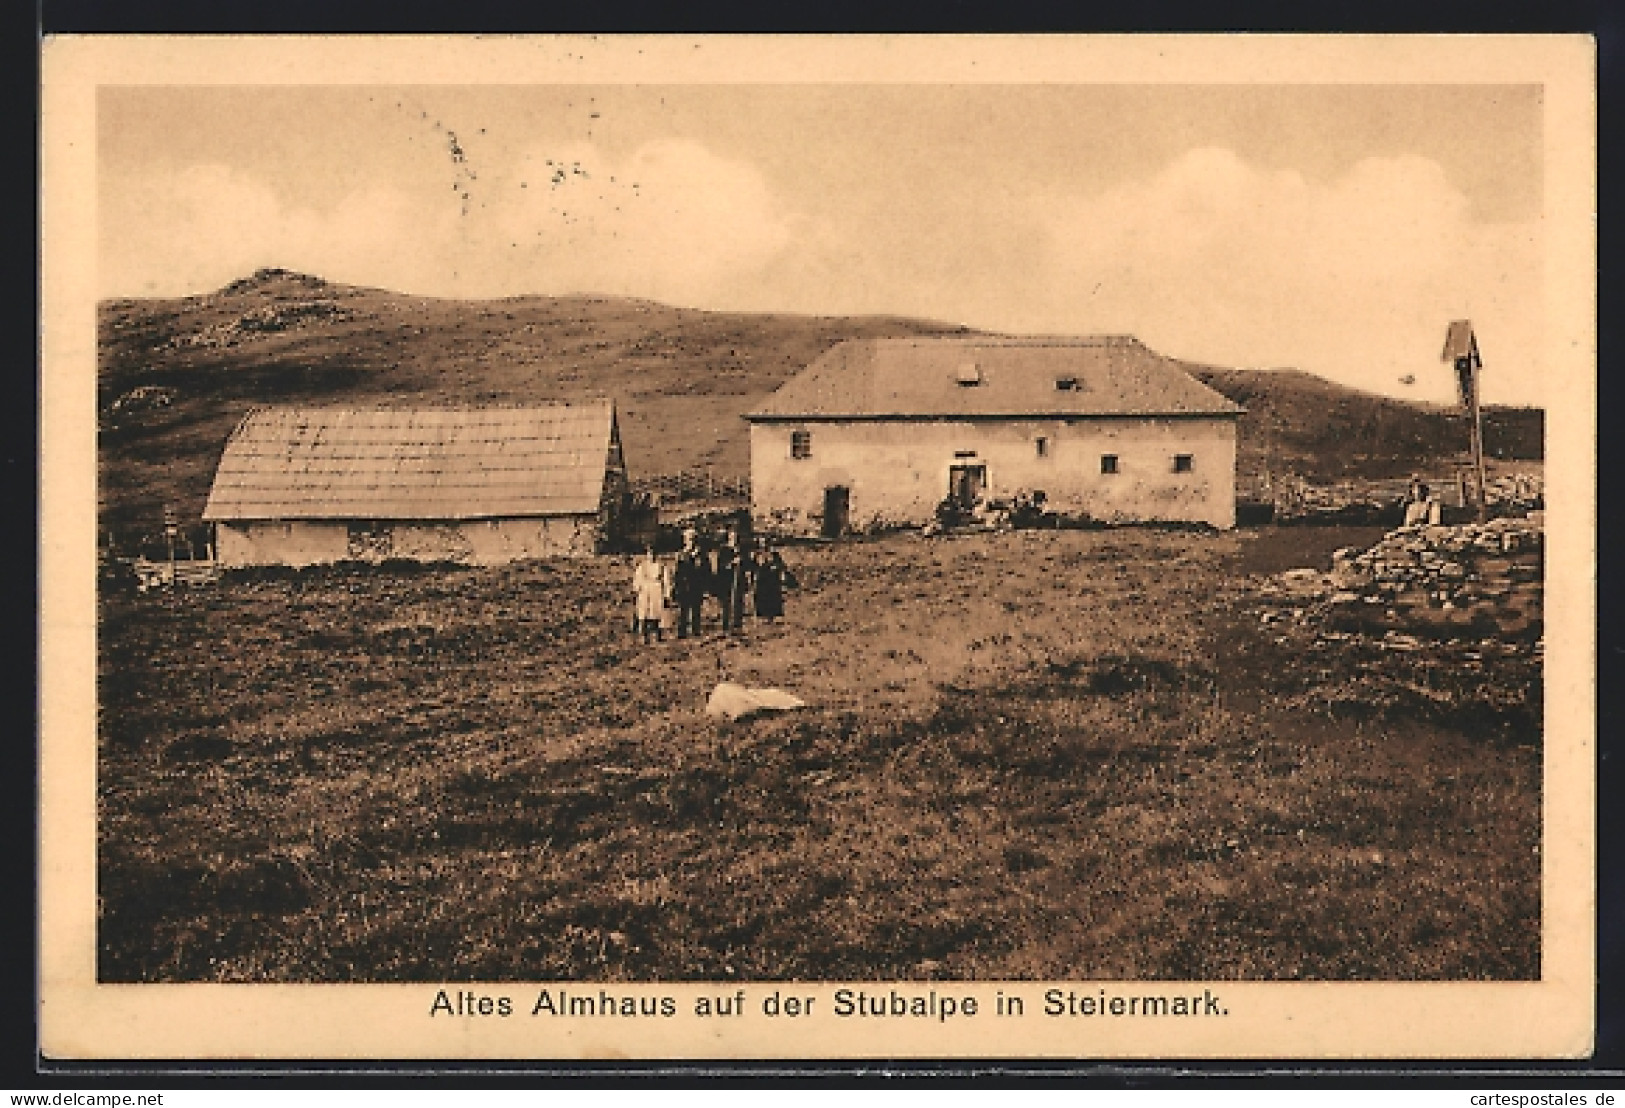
pixel 1416 504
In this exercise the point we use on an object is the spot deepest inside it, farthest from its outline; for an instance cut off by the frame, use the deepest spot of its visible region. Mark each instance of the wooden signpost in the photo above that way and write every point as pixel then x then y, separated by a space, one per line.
pixel 1461 349
pixel 171 527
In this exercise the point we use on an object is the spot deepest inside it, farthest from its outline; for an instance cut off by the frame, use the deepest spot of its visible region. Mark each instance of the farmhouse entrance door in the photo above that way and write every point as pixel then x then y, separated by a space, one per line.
pixel 837 510
pixel 965 485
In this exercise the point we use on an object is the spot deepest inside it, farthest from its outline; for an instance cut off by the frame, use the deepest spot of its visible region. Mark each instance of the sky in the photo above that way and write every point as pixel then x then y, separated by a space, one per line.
pixel 1336 229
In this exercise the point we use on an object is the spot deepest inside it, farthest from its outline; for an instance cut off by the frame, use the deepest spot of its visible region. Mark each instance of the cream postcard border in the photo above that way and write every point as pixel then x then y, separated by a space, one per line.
pixel 80 1019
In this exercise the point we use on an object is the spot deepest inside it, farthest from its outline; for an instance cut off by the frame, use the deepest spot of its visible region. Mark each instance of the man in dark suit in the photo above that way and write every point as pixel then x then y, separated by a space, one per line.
pixel 689 581
pixel 733 582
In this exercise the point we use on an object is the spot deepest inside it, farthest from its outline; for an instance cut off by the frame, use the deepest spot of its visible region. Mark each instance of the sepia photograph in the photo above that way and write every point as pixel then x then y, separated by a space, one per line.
pixel 977 545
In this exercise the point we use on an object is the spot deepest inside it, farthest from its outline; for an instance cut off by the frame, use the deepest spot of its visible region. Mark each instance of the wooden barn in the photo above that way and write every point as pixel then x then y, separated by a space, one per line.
pixel 469 484
pixel 888 428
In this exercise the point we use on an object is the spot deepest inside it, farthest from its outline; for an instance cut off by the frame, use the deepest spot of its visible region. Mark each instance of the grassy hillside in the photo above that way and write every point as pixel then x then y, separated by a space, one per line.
pixel 1028 756
pixel 681 378
pixel 1297 422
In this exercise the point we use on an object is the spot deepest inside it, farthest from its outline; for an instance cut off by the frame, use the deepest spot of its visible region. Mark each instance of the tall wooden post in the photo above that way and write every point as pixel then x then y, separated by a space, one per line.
pixel 1461 350
pixel 170 529
pixel 1476 421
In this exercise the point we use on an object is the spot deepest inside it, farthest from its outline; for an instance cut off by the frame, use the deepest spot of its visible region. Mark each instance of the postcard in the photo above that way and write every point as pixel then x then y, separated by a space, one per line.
pixel 569 548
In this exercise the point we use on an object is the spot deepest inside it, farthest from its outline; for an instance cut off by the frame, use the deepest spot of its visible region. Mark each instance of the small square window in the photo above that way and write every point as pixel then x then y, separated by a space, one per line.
pixel 1184 463
pixel 1108 463
pixel 1041 446
pixel 800 444
pixel 1066 384
pixel 969 375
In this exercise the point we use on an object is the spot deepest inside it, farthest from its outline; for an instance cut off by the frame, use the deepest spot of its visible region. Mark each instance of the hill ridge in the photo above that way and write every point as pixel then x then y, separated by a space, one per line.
pixel 175 376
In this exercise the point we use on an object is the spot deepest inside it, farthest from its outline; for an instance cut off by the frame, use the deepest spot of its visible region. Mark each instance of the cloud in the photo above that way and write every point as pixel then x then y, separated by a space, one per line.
pixel 1214 259
pixel 1211 257
pixel 182 231
pixel 194 229
pixel 670 221
pixel 1354 278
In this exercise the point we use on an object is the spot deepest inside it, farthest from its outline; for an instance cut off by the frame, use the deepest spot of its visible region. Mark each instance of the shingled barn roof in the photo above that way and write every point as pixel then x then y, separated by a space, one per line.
pixel 955 377
pixel 414 463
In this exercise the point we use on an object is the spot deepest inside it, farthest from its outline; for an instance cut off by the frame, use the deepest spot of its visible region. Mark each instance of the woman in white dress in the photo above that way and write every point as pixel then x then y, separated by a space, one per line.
pixel 651 588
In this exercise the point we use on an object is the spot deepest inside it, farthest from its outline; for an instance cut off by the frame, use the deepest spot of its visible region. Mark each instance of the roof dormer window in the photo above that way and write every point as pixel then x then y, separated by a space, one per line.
pixel 969 375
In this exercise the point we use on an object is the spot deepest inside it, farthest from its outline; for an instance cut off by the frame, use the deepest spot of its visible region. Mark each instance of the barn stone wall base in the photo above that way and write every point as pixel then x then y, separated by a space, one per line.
pixel 471 542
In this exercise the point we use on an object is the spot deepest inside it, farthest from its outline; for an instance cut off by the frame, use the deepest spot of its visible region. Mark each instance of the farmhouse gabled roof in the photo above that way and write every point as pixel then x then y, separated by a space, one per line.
pixel 959 377
pixel 414 463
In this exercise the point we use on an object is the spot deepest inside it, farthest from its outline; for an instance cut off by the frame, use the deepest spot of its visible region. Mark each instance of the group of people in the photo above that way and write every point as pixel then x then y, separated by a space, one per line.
pixel 672 595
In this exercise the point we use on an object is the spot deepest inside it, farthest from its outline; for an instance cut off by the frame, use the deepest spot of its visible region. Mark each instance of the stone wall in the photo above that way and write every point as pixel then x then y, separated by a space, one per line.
pixel 1295 498
pixel 1471 581
pixel 479 542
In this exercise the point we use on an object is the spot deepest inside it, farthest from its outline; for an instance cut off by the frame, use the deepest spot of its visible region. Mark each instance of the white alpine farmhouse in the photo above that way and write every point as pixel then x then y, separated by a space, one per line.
pixel 888 428
pixel 302 486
